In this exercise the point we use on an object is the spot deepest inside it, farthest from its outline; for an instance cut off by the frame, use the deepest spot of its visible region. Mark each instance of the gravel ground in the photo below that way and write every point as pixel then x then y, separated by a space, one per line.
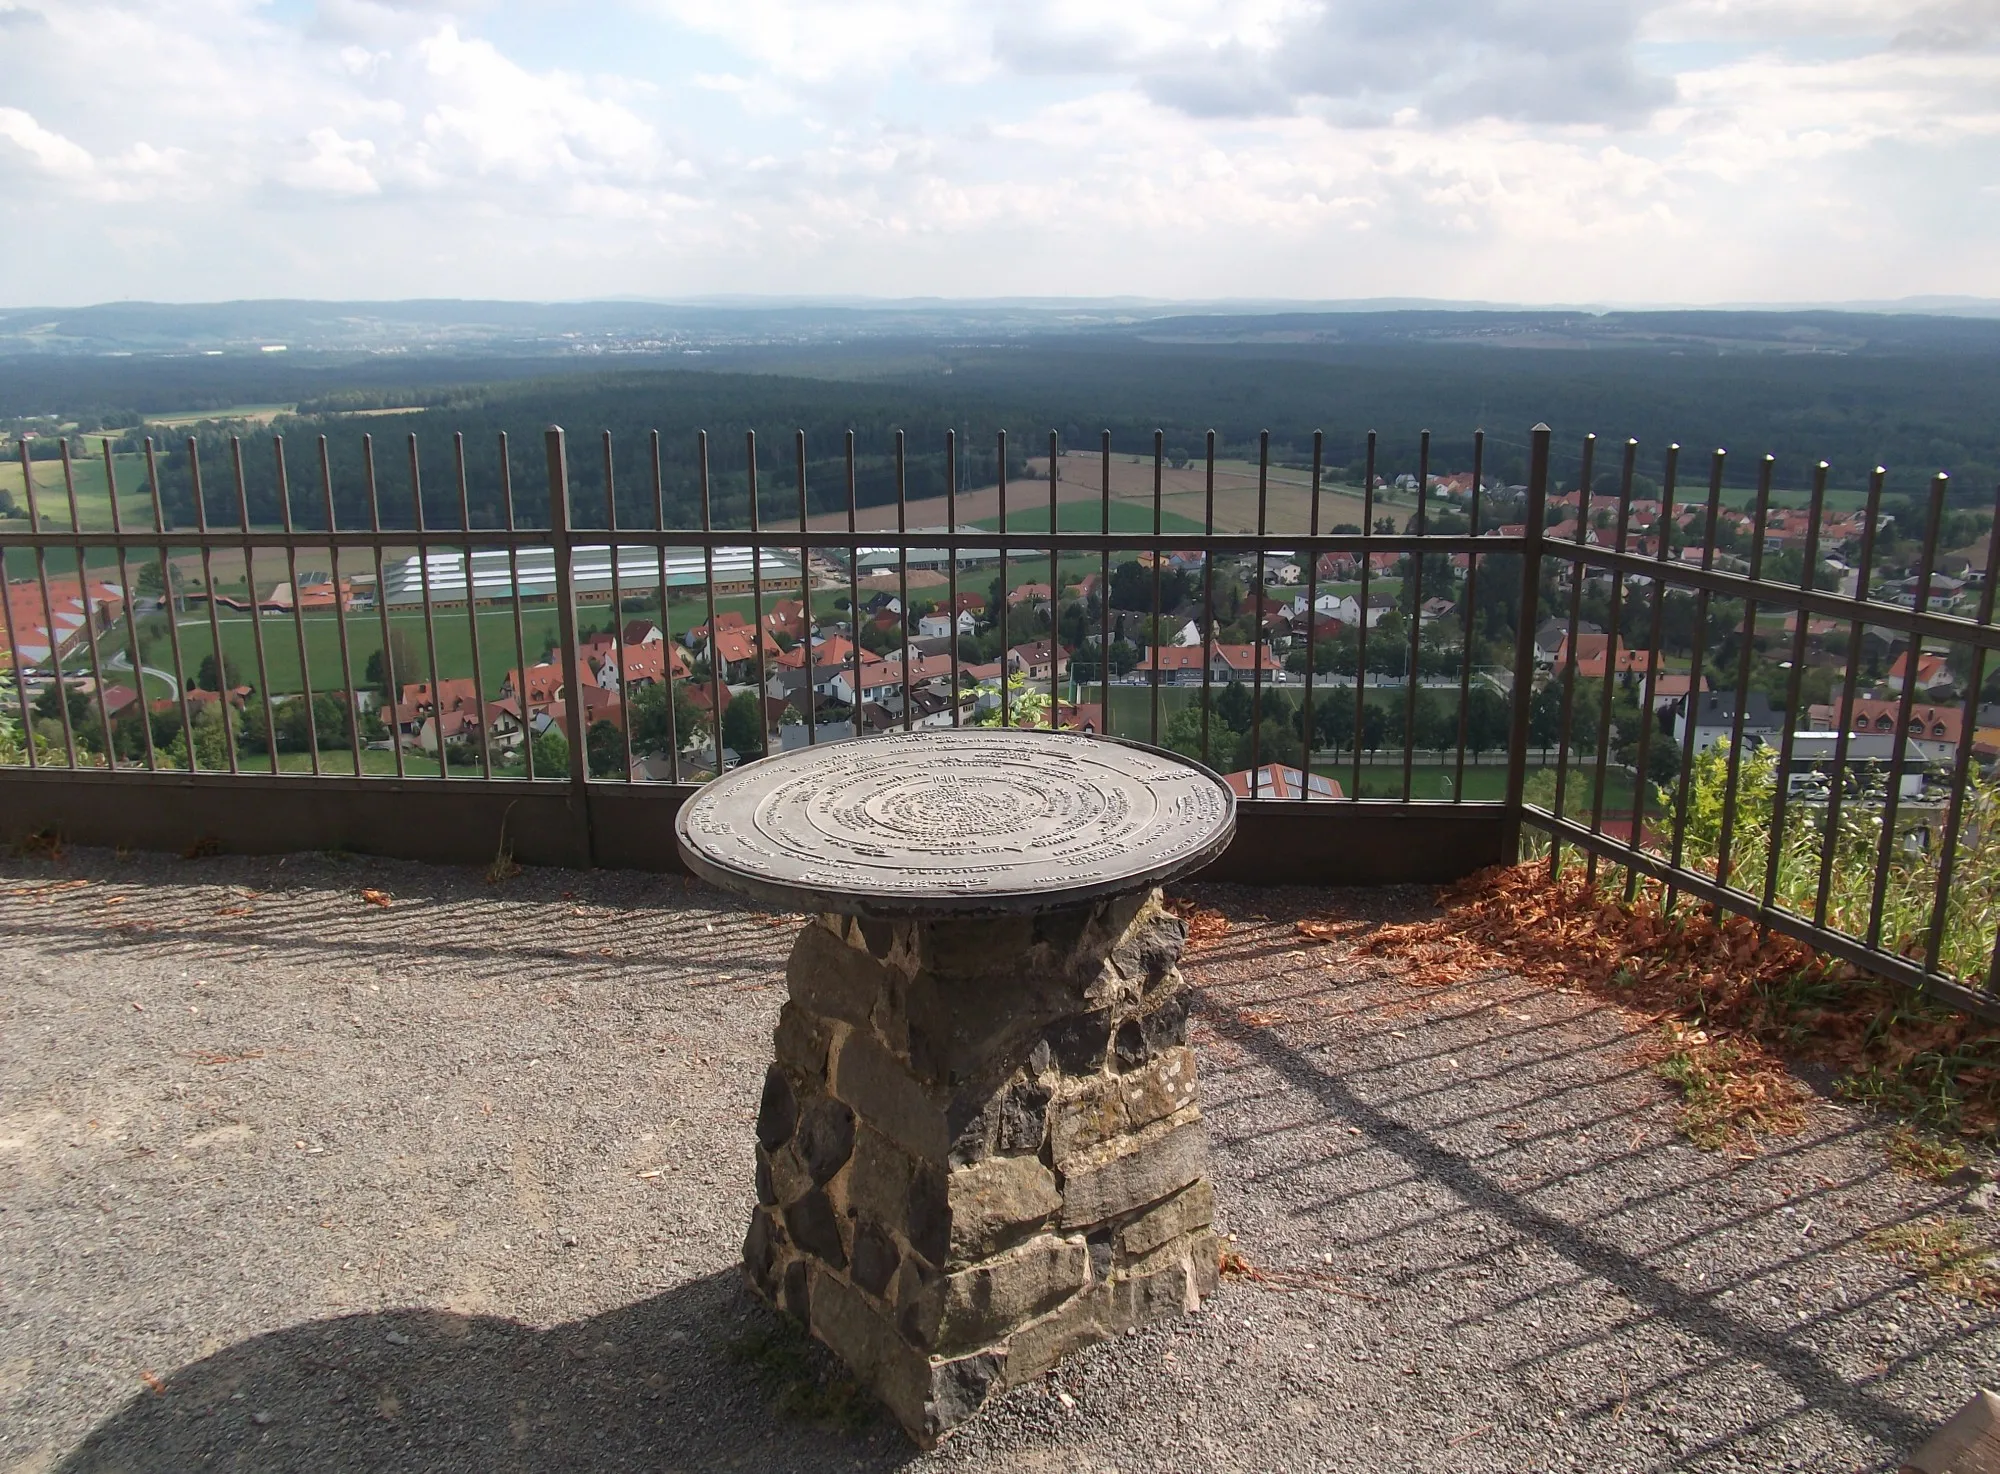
pixel 291 1181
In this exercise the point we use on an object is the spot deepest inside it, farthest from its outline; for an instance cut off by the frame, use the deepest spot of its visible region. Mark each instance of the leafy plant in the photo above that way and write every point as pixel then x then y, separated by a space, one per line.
pixel 1027 705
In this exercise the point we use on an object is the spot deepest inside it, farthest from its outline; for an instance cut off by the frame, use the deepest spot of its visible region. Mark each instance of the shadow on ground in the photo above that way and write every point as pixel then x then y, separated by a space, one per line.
pixel 664 1383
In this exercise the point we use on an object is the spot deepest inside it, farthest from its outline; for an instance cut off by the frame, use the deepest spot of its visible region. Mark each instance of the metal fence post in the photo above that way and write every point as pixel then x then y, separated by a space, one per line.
pixel 559 544
pixel 1524 638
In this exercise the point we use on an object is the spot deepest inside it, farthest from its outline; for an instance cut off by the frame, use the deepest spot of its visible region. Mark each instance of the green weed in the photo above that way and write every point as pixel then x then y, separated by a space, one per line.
pixel 1940 1251
pixel 1928 1157
pixel 1728 1094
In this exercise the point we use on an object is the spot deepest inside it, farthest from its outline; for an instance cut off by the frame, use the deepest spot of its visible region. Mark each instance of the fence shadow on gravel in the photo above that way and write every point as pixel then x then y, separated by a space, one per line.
pixel 648 1386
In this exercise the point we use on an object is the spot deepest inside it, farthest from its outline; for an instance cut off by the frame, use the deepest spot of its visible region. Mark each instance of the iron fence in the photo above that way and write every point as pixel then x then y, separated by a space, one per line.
pixel 372 664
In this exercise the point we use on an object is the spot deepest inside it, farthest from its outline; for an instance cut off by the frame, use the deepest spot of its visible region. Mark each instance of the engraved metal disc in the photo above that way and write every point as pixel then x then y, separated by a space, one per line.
pixel 955 823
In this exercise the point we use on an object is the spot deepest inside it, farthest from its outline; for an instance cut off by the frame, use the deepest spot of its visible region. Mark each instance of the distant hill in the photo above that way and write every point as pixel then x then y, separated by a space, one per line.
pixel 664 329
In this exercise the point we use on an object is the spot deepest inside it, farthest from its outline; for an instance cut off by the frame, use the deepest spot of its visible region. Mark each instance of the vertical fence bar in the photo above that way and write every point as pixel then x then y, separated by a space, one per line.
pixel 15 667
pixel 758 633
pixel 1103 588
pixel 214 620
pixel 1697 657
pixel 1642 781
pixel 125 593
pixel 1962 757
pixel 1524 637
pixel 559 545
pixel 49 609
pixel 1414 587
pixel 298 612
pixel 173 609
pixel 1780 794
pixel 669 651
pixel 392 689
pixel 1257 607
pixel 810 663
pixel 1613 645
pixel 1159 557
pixel 1568 673
pixel 903 574
pixel 523 712
pixel 952 551
pixel 1006 585
pixel 13 634
pixel 1759 521
pixel 1900 740
pixel 89 608
pixel 430 616
pixel 1055 589
pixel 621 673
pixel 1361 621
pixel 853 584
pixel 708 583
pixel 347 692
pixel 1843 713
pixel 1309 733
pixel 1465 620
pixel 472 615
pixel 1208 598
pixel 256 609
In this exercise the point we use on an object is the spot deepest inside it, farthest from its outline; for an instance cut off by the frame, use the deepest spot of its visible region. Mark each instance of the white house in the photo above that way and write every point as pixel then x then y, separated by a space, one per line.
pixel 937 624
pixel 878 683
pixel 1714 717
pixel 1343 607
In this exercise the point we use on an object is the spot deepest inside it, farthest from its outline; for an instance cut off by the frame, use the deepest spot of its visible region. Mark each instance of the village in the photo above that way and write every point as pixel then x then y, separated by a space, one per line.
pixel 688 662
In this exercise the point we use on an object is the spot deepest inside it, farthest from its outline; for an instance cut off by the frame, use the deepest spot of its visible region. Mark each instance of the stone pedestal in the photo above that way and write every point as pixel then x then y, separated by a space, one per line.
pixel 979 1148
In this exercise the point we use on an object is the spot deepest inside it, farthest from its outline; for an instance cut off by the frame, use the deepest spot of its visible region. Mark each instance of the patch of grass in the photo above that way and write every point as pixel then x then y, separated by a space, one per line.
pixel 1921 1155
pixel 801 1380
pixel 1940 1251
pixel 1729 1093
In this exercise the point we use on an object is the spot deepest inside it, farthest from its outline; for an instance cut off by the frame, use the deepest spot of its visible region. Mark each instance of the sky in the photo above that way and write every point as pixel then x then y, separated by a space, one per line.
pixel 1629 151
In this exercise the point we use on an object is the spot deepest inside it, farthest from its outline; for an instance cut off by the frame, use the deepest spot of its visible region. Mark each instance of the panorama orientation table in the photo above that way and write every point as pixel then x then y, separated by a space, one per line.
pixel 979 1147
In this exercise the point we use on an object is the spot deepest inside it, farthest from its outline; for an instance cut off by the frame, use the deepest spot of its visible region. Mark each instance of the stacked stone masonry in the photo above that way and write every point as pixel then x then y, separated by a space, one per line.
pixel 979 1148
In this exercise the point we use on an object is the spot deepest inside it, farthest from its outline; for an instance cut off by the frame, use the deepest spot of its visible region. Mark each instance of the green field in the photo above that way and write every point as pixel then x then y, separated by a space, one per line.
pixel 1485 782
pixel 255 414
pixel 93 500
pixel 1089 517
pixel 364 633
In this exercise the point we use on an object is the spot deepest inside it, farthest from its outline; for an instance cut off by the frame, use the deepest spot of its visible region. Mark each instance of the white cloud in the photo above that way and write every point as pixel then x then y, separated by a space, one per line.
pixel 334 165
pixel 1539 149
pixel 49 152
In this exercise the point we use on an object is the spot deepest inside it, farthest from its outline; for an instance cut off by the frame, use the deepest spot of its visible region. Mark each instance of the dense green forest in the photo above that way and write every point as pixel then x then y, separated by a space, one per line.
pixel 1916 395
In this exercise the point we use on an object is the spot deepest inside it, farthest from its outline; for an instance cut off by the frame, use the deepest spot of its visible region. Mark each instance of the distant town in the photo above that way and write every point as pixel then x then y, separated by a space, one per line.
pixel 687 661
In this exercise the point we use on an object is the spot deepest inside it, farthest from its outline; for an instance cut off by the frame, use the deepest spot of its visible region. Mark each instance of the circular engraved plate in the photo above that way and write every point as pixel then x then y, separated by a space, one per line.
pixel 955 823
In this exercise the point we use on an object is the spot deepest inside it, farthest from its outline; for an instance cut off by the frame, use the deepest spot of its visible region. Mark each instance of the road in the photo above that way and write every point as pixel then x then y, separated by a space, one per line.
pixel 123 661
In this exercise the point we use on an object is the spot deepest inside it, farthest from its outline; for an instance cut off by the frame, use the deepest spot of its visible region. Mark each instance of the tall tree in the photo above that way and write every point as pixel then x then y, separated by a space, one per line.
pixel 410 668
pixel 209 678
pixel 743 725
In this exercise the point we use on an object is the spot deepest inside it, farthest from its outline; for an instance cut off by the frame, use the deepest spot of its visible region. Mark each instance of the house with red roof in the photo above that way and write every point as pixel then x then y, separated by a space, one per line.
pixel 1280 780
pixel 1932 670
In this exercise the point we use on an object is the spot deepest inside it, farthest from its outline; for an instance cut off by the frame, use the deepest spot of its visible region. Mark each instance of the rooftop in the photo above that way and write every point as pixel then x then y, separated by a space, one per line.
pixel 301 1180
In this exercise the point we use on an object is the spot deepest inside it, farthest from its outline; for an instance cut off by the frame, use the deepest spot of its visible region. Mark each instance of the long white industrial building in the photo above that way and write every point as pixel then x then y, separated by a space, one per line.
pixel 532 574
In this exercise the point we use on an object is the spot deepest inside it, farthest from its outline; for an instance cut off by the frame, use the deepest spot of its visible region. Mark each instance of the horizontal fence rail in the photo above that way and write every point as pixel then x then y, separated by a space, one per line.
pixel 1763 697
